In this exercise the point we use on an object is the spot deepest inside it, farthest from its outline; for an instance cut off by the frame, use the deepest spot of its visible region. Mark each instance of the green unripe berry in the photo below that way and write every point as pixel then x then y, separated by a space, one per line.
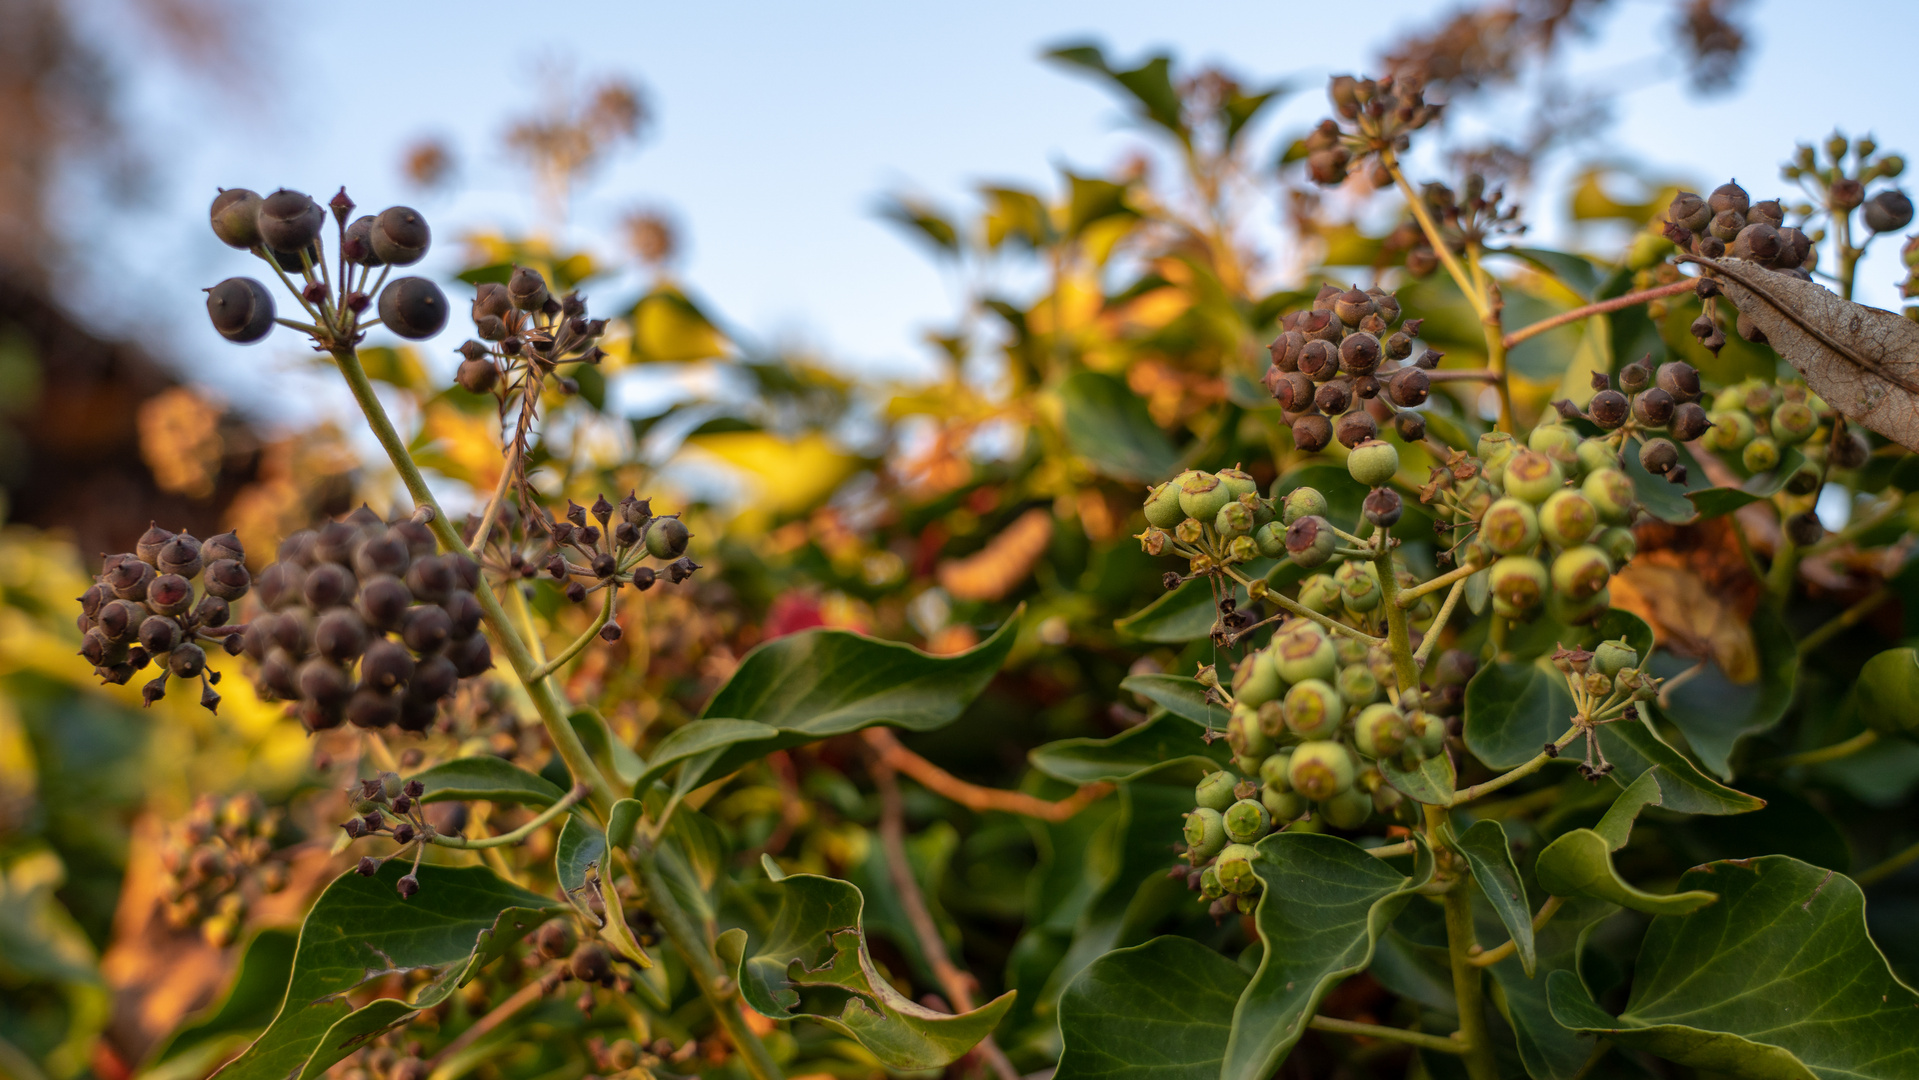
pixel 1247 821
pixel 1247 765
pixel 1238 482
pixel 1311 541
pixel 1594 454
pixel 1379 731
pixel 1303 502
pixel 1567 518
pixel 1618 544
pixel 1494 444
pixel 1256 681
pixel 1350 650
pixel 1581 572
pixel 1613 656
pixel 1205 833
pixel 1373 462
pixel 1303 651
pixel 1556 441
pixel 1760 455
pixel 1272 772
pixel 1358 685
pixel 1162 506
pixel 1245 734
pixel 1320 594
pixel 1233 520
pixel 1510 525
pixel 1358 586
pixel 1425 733
pixel 1284 806
pixel 666 538
pixel 235 216
pixel 1533 476
pixel 1270 538
pixel 1347 810
pixel 1321 770
pixel 1562 608
pixel 1611 493
pixel 1731 430
pixel 1235 867
pixel 1314 709
pixel 1201 494
pixel 1242 549
pixel 1793 422
pixel 1518 583
pixel 1209 887
pixel 1215 790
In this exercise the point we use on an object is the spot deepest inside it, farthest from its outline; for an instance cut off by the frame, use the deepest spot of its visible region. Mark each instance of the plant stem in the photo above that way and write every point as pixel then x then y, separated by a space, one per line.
pixel 1431 639
pixel 1433 236
pixel 1464 375
pixel 1444 1044
pixel 1459 573
pixel 1844 620
pixel 492 512
pixel 546 702
pixel 568 802
pixel 499 1014
pixel 720 991
pixel 1460 798
pixel 978 799
pixel 1305 612
pixel 1829 753
pixel 1392 851
pixel 1491 313
pixel 1889 867
pixel 1468 981
pixel 1617 303
pixel 1494 955
pixel 581 642
pixel 1398 634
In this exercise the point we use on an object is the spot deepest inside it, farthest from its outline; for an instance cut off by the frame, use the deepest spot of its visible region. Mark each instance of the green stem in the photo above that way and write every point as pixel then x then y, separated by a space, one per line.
pixel 1459 573
pixel 1491 322
pixel 581 642
pixel 1830 753
pixel 546 702
pixel 1468 981
pixel 1844 620
pixel 567 802
pixel 1461 798
pixel 721 992
pixel 1398 632
pixel 1890 867
pixel 1442 1043
pixel 1439 623
pixel 1545 915
pixel 1305 612
pixel 1434 237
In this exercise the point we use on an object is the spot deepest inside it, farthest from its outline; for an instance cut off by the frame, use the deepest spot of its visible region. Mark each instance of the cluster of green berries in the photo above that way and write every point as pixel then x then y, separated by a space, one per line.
pixel 285 230
pixel 208 860
pixel 1606 684
pixel 1374 115
pixel 586 556
pixel 1759 420
pixel 1339 370
pixel 142 609
pixel 365 624
pixel 525 331
pixel 1839 194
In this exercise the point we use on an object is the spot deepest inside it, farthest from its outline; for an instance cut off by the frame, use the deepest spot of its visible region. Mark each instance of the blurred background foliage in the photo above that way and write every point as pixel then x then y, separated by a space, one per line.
pixel 1108 328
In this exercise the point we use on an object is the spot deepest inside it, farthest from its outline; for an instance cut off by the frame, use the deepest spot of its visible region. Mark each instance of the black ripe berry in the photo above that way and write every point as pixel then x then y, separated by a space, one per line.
pixel 413 308
pixel 241 309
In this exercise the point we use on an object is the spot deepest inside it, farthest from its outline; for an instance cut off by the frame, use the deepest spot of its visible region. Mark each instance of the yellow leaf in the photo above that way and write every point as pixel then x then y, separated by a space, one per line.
pixel 669 329
pixel 471 443
pixel 789 475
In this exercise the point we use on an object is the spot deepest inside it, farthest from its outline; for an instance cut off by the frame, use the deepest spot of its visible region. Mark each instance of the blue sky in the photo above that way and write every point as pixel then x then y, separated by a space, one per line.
pixel 778 125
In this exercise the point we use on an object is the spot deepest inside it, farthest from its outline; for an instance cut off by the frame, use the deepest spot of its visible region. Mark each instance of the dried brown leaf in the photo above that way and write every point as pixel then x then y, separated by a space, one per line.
pixel 1862 360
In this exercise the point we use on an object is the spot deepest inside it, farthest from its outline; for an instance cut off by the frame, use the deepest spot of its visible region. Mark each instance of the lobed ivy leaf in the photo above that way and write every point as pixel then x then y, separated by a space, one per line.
pixel 818 683
pixel 813 963
pixel 1487 852
pixel 1325 905
pixel 1430 780
pixel 1166 749
pixel 1108 425
pixel 359 930
pixel 490 778
pixel 1180 695
pixel 1158 1011
pixel 1777 981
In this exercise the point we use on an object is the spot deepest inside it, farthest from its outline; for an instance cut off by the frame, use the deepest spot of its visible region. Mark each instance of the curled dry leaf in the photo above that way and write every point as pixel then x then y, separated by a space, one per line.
pixel 1862 360
pixel 1003 563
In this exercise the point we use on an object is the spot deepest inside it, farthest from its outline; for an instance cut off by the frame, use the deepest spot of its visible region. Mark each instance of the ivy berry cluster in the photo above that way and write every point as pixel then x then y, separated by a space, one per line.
pixel 1339 369
pixel 143 608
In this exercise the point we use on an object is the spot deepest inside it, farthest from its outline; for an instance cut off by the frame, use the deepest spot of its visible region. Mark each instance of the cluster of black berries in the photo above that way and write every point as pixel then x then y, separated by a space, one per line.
pixel 524 328
pixel 588 557
pixel 209 861
pixel 142 609
pixel 1339 370
pixel 333 598
pixel 1380 115
pixel 1728 223
pixel 1648 401
pixel 284 229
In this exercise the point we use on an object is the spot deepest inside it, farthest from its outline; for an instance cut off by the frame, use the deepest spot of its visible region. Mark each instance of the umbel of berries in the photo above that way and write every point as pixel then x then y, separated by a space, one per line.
pixel 365 624
pixel 1340 370
pixel 590 549
pixel 287 230
pixel 164 604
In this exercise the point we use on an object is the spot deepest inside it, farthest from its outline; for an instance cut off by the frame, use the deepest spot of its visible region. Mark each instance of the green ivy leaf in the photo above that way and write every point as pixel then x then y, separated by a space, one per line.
pixel 1714 712
pixel 1430 780
pixel 1326 904
pixel 1579 863
pixel 700 737
pixel 1778 980
pixel 266 964
pixel 360 929
pixel 1166 748
pixel 1108 425
pixel 1489 855
pixel 581 865
pixel 1515 706
pixel 1658 496
pixel 1718 501
pixel 813 963
pixel 1184 614
pixel 1179 695
pixel 1158 1011
pixel 490 778
pixel 816 684
pixel 1549 1050
pixel 612 755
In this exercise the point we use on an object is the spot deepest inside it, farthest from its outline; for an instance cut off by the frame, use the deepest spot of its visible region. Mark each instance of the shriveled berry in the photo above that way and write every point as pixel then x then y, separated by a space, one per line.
pixel 478 375
pixel 1653 407
pixel 227 579
pixel 1658 456
pixel 1333 397
pixel 159 634
pixel 1409 387
pixel 1729 196
pixel 1359 354
pixel 1382 507
pixel 1680 379
pixel 413 307
pixel 1689 422
pixel 1411 426
pixel 1689 211
pixel 169 594
pixel 1355 428
pixel 526 289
